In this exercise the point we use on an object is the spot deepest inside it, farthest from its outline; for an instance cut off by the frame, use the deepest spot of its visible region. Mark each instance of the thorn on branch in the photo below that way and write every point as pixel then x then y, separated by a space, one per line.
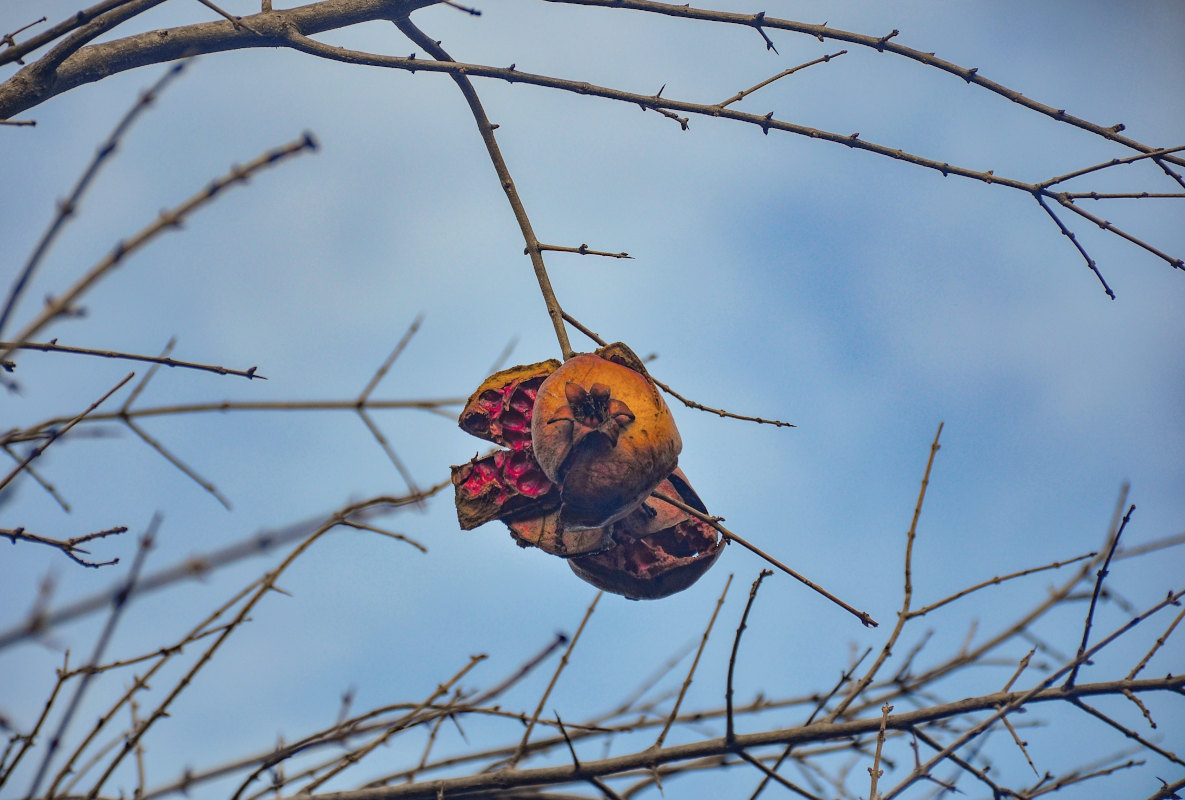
pixel 473 12
pixel 757 21
pixel 970 74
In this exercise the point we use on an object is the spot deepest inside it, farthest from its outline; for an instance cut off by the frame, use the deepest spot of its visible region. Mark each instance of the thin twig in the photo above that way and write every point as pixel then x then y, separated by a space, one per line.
pixel 863 616
pixel 771 775
pixel 176 461
pixel 354 756
pixel 66 208
pixel 362 526
pixel 121 601
pixel 170 219
pixel 689 403
pixel 489 694
pixel 1020 699
pixel 49 488
pixel 395 353
pixel 486 129
pixel 201 565
pixel 1106 225
pixel 875 770
pixel 1123 195
pixel 54 347
pixel 225 406
pixel 997 581
pixel 29 739
pixel 694 663
pixel 68 546
pixel 746 92
pixel 522 746
pixel 1159 644
pixel 1128 732
pixel 1114 162
pixel 583 250
pixel 265 586
pixel 1100 576
pixel 767 122
pixel 736 643
pixel 371 425
pixel 14 52
pixel 907 592
pixel 60 432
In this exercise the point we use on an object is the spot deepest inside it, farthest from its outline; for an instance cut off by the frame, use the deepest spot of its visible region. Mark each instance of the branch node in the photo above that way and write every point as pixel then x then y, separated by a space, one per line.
pixel 880 43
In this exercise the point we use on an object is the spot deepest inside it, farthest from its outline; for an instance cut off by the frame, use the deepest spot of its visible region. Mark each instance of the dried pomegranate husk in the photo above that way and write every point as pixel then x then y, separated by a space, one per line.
pixel 658 549
pixel 500 409
pixel 546 533
pixel 601 430
pixel 505 483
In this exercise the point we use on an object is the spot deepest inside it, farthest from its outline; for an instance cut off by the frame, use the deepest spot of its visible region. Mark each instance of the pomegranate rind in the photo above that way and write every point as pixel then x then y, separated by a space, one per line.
pixel 658 550
pixel 620 353
pixel 546 533
pixel 607 471
pixel 504 484
pixel 500 410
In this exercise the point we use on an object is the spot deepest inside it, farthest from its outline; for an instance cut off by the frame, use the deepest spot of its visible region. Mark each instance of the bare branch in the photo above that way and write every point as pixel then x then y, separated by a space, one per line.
pixel 736 644
pixel 1100 576
pixel 689 403
pixel 875 770
pixel 68 546
pixel 650 758
pixel 694 663
pixel 54 347
pixel 584 251
pixel 200 565
pixel 746 92
pixel 996 581
pixel 167 220
pixel 121 600
pixel 863 616
pixel 67 208
pixel 60 432
pixel 486 129
pixel 522 746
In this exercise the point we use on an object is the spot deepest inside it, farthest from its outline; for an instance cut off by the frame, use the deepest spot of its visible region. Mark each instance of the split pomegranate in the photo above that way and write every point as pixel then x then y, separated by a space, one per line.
pixel 602 431
pixel 588 441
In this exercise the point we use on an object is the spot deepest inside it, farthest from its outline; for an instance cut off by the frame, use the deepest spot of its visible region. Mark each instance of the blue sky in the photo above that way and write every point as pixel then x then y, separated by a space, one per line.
pixel 862 299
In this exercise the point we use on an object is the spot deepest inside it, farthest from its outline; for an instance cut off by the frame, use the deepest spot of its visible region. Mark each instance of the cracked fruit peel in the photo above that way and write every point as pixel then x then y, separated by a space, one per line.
pixel 658 549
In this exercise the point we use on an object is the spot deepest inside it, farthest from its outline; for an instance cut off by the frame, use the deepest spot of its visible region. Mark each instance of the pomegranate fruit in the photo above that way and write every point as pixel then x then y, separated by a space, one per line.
pixel 658 549
pixel 601 430
pixel 588 441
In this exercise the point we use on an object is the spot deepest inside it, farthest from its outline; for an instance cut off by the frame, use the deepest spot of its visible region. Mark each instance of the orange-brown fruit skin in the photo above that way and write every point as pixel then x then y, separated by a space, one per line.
pixel 605 469
pixel 500 410
pixel 659 550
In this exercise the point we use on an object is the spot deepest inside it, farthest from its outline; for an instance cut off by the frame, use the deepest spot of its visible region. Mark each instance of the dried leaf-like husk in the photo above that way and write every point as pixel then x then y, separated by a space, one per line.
pixel 659 550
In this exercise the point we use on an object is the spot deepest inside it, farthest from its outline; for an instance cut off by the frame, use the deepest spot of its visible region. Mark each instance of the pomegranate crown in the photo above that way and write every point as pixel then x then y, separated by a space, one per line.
pixel 593 411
